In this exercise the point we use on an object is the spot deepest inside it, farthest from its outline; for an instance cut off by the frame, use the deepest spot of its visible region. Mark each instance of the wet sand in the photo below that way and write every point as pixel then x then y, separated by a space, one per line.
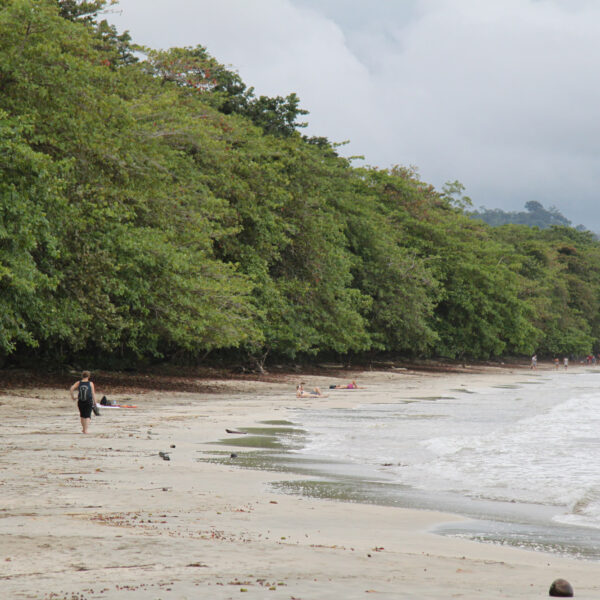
pixel 104 516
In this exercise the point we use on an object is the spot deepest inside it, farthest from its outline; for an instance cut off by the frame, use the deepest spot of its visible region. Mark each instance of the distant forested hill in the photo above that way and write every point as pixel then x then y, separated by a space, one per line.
pixel 153 208
pixel 534 216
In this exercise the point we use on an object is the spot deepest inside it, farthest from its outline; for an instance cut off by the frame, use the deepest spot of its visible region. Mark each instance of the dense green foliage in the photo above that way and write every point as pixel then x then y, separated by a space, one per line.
pixel 156 208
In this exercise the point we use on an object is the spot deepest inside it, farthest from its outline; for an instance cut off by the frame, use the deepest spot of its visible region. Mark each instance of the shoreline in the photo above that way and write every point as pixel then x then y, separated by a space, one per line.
pixel 81 511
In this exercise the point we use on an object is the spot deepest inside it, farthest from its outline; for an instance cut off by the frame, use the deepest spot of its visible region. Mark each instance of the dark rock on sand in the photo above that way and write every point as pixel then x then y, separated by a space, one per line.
pixel 561 588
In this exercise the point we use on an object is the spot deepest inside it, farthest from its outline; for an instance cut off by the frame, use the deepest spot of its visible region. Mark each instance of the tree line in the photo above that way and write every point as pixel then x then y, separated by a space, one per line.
pixel 152 207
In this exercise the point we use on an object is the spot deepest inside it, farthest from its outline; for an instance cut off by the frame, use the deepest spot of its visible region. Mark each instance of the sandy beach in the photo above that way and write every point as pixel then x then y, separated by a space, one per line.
pixel 104 516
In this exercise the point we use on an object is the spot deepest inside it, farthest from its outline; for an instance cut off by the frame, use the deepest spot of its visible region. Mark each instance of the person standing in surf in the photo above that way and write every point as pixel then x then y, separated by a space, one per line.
pixel 86 399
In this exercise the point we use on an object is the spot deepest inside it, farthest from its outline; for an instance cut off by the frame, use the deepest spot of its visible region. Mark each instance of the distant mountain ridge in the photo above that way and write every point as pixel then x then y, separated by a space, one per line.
pixel 534 216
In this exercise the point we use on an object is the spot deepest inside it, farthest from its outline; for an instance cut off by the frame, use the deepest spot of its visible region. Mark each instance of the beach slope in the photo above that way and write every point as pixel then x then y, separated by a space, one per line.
pixel 104 515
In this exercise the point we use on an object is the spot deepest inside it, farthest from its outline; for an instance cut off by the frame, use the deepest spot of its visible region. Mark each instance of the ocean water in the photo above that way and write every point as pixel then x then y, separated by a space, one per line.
pixel 522 460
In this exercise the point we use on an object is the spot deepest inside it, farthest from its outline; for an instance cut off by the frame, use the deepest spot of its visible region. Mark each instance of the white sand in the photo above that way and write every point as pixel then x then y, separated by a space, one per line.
pixel 103 516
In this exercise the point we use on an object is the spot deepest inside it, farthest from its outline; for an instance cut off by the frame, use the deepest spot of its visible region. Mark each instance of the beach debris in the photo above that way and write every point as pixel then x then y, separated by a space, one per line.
pixel 561 588
pixel 233 455
pixel 235 431
pixel 164 455
pixel 173 446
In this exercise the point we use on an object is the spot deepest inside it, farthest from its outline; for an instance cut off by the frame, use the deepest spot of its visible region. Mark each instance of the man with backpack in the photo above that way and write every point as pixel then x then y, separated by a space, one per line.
pixel 86 399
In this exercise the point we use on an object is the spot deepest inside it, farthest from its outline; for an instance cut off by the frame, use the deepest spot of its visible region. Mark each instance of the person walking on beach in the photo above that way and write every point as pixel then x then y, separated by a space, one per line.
pixel 86 399
pixel 566 362
pixel 533 362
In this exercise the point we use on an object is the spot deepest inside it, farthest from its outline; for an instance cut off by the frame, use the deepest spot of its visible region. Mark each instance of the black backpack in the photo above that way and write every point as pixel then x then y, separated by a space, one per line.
pixel 85 392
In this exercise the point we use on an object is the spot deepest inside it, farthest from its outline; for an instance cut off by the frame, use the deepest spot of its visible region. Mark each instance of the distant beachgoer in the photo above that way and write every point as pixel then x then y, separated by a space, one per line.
pixel 556 363
pixel 301 393
pixel 86 399
pixel 351 386
pixel 566 362
pixel 533 362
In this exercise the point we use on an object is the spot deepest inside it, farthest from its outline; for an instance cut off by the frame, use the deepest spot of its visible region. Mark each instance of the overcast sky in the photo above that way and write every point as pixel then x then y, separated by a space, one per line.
pixel 502 95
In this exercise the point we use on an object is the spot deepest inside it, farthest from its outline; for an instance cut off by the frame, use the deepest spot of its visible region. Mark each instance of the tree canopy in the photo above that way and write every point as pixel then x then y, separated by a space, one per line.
pixel 152 208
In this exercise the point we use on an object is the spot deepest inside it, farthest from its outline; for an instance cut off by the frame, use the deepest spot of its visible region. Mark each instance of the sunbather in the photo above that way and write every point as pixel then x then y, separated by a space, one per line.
pixel 301 393
pixel 351 386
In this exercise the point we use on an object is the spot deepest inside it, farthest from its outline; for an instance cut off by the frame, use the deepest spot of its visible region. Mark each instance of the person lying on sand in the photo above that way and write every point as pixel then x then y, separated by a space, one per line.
pixel 301 393
pixel 351 386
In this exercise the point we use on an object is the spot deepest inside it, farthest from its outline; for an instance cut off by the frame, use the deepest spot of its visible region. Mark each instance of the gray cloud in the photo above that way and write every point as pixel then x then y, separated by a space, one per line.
pixel 501 95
